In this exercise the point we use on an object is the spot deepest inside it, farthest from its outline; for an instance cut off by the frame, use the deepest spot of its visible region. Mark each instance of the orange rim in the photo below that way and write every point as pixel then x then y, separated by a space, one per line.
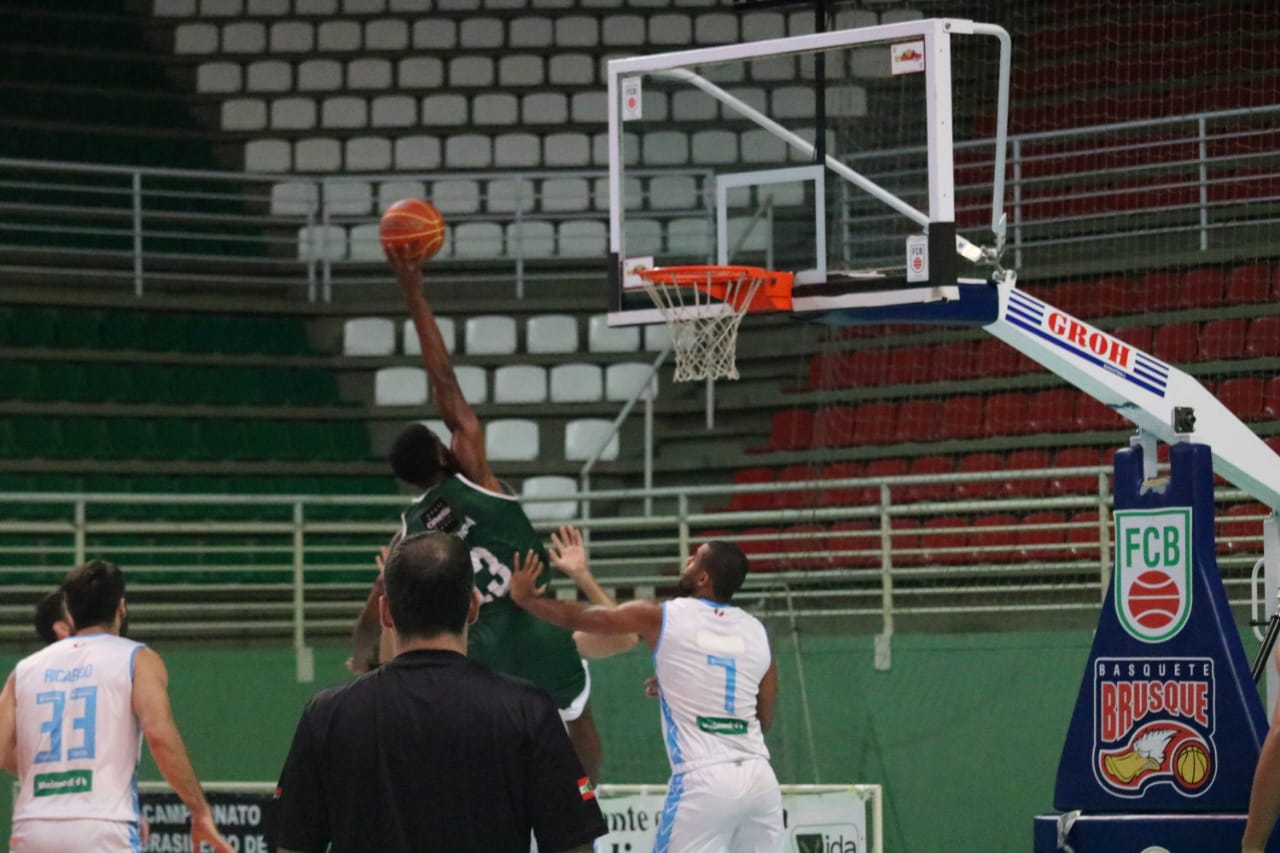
pixel 774 293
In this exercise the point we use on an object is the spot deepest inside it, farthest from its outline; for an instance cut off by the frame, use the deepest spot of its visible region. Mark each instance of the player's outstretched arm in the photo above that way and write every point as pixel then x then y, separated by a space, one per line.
pixel 155 718
pixel 767 697
pixel 367 633
pixel 634 617
pixel 569 555
pixel 468 436
pixel 9 727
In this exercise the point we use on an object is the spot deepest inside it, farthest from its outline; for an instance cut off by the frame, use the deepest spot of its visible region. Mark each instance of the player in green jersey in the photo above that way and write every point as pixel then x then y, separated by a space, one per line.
pixel 461 495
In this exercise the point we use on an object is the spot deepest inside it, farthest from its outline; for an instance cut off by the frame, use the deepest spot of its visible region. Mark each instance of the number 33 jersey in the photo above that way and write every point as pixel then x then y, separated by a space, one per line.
pixel 78 738
pixel 709 660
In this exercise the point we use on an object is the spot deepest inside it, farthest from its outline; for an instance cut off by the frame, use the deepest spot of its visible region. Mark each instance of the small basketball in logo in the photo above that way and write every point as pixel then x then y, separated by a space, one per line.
pixel 1153 599
pixel 1191 764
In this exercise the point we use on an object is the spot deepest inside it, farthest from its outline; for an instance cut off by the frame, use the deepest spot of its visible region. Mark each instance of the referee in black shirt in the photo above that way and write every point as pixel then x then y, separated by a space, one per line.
pixel 433 753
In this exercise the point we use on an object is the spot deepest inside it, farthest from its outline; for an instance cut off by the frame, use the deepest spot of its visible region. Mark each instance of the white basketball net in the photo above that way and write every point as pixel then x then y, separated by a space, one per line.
pixel 704 330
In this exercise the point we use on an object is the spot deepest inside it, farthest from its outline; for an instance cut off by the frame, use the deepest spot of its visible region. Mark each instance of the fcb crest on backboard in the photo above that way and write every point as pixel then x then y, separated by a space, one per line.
pixel 1153 572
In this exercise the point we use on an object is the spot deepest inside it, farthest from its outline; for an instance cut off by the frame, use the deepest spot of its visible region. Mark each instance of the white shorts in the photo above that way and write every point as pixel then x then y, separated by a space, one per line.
pixel 579 704
pixel 74 836
pixel 732 807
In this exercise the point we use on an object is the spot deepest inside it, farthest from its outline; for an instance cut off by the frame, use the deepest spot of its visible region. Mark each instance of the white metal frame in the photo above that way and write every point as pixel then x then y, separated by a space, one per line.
pixel 936 34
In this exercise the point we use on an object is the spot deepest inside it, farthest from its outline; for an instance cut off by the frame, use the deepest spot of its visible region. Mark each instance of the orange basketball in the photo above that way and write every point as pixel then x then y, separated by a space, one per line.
pixel 414 224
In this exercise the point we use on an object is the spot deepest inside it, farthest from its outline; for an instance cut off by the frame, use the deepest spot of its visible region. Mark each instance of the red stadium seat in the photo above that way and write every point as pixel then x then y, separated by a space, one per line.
pixel 804 546
pixel 834 427
pixel 1249 284
pixel 1024 460
pixel 1076 484
pixel 1161 290
pixel 1221 339
pixel 880 468
pixel 904 542
pixel 907 365
pixel 933 490
pixel 994 538
pixel 1005 414
pixel 845 495
pixel 1083 539
pixel 1043 537
pixel 761 545
pixel 792 429
pixel 961 417
pixel 1092 415
pixel 1240 528
pixel 994 357
pixel 874 423
pixel 945 540
pixel 1264 337
pixel 1271 399
pixel 751 501
pixel 796 498
pixel 1245 396
pixel 1177 343
pixel 918 420
pixel 952 360
pixel 979 489
pixel 858 540
pixel 823 368
pixel 1052 411
pixel 1137 336
pixel 1202 288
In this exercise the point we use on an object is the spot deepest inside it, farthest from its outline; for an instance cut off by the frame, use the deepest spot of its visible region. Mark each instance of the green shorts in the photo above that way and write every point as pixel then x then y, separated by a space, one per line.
pixel 508 640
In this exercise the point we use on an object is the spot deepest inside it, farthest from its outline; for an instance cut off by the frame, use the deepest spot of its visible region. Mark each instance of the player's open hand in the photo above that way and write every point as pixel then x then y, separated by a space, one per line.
pixel 567 552
pixel 524 580
pixel 205 835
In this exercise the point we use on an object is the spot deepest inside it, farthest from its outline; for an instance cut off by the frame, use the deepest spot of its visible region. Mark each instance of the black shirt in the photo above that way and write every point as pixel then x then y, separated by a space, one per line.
pixel 433 753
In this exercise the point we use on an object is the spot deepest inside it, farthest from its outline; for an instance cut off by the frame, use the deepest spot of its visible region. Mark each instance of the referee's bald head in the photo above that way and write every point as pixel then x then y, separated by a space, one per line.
pixel 429 581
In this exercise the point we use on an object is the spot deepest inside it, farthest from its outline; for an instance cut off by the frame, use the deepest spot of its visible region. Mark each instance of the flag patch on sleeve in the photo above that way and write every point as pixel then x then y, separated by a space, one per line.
pixel 585 790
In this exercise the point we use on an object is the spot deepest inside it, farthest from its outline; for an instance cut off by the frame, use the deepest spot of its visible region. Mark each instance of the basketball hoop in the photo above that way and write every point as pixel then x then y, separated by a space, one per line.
pixel 704 305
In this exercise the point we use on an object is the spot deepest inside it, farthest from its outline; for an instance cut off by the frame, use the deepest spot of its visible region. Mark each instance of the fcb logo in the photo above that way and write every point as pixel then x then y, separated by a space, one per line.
pixel 1153 725
pixel 1153 572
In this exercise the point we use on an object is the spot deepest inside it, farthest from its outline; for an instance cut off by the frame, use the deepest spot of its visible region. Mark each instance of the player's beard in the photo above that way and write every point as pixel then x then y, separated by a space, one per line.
pixel 685 586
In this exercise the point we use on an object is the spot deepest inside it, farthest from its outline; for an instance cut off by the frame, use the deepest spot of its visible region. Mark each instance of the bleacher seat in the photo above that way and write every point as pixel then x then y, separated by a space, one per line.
pixel 601 337
pixel 1248 284
pixel 576 383
pixel 1240 528
pixel 1177 343
pixel 904 542
pixel 795 498
pixel 803 547
pixel 1245 396
pixel 917 420
pixel 1201 288
pixel 365 243
pixel 833 427
pixel 448 332
pixel 368 336
pixel 582 238
pixel 1076 457
pixel 994 538
pixel 520 383
pixel 761 545
pixel 531 239
pixel 952 360
pixel 752 501
pixel 657 337
pixel 584 436
pixel 1042 536
pixel 979 489
pixel 1264 337
pixel 400 386
pixel 546 486
pixel 875 423
pixel 1092 415
pixel 1083 535
pixel 474 382
pixel 1224 338
pixel 1052 410
pixel 551 333
pixel 930 491
pixel 490 334
pixel 625 380
pixel 511 440
pixel 961 417
pixel 1006 414
pixel 845 495
pixel 854 544
pixel 791 429
pixel 1021 460
pixel 1137 336
pixel 945 540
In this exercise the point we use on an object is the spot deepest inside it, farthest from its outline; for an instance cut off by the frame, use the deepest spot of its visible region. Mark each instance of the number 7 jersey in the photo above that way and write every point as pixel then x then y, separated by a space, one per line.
pixel 709 660
pixel 78 738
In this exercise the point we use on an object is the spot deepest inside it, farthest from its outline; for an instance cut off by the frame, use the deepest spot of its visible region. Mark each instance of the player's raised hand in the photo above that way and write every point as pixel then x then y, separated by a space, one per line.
pixel 380 560
pixel 205 835
pixel 567 552
pixel 524 578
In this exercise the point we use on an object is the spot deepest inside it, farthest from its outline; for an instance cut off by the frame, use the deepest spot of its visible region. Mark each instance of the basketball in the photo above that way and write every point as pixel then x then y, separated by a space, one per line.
pixel 1192 764
pixel 414 225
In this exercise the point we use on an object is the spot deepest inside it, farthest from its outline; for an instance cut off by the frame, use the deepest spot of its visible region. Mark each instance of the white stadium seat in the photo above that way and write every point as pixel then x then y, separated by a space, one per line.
pixel 348 198
pixel 520 383
pixel 491 334
pixel 583 238
pixel 568 150
pixel 294 198
pixel 293 114
pixel 508 195
pixel 273 8
pixel 267 155
pixel 195 38
pixel 468 151
pixel 368 154
pixel 847 101
pixel 444 110
pixel 459 196
pixel 368 336
pixel 364 243
pixel 691 238
pixel 386 34
pixel 576 31
pixel 773 68
pixel 400 386
pixel 657 337
pixel 793 102
pixel 715 146
pixel 624 30
pixel 435 33
pixel 338 37
pixel 517 150
pixel 642 237
pixel 577 383
pixel 317 155
pixel 221 8
pixel 673 192
pixel 369 73
pixel 549 486
pixel 292 37
pixel 218 77
pixel 624 380
pixel 244 37
pixel 394 111
pixel 418 153
pixel 565 195
pixel 544 108
pixel 315 7
pixel 511 440
pixel 474 383
pixel 174 8
pixel 479 240
pixel 583 438
pixel 244 114
pixel 716 28
pixel 390 192
pixel 324 242
pixel 495 108
pixel 590 107
pixel 571 69
pixel 470 71
pixel 420 72
pixel 531 239
pixel 268 75
pixel 530 32
pixel 670 29
pixel 364 7
pixel 666 148
pixel 693 105
pixel 481 34
pixel 551 333
pixel 320 75
pixel 601 337
pixel 448 333
pixel 520 70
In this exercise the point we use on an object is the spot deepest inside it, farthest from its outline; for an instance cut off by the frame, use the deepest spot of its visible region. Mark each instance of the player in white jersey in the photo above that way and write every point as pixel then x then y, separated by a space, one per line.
pixel 71 721
pixel 717 687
